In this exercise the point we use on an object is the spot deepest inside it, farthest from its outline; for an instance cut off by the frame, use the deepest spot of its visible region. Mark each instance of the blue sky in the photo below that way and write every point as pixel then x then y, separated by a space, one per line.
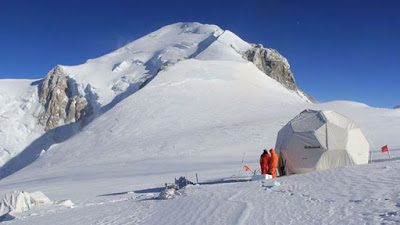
pixel 338 50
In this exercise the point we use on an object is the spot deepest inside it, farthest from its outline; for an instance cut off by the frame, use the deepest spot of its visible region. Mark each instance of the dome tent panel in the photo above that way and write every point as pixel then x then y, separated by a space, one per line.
pixel 308 120
pixel 358 143
pixel 339 120
pixel 284 135
pixel 334 158
pixel 320 134
pixel 303 151
pixel 336 137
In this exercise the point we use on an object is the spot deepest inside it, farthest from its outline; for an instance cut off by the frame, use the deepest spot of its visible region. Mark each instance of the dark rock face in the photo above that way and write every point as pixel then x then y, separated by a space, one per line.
pixel 77 109
pixel 60 107
pixel 54 98
pixel 397 107
pixel 274 65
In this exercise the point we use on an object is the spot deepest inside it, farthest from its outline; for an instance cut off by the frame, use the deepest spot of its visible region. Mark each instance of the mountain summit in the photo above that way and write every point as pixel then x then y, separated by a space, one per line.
pixel 109 78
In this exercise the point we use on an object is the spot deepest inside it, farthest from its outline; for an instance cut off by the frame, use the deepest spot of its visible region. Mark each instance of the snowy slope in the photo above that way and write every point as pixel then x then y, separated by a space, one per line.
pixel 18 127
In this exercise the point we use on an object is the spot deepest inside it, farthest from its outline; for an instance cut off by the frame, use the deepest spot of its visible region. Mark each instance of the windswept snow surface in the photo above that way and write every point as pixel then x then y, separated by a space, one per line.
pixel 201 115
pixel 353 195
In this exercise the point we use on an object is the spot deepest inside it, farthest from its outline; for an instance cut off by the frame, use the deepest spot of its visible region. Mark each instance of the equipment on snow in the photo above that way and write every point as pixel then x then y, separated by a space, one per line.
pixel 261 177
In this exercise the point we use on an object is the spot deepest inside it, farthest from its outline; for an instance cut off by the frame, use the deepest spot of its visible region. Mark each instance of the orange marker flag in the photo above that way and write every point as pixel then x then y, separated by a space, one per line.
pixel 385 148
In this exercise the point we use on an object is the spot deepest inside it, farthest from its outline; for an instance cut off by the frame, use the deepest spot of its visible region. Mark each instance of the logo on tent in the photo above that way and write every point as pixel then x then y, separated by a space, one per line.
pixel 311 147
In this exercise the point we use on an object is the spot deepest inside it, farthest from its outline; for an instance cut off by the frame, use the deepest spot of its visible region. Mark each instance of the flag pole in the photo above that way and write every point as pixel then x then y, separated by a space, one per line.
pixel 241 165
pixel 370 156
pixel 389 154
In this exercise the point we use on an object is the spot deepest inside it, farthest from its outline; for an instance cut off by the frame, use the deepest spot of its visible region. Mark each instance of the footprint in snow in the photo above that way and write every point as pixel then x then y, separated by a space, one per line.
pixel 389 214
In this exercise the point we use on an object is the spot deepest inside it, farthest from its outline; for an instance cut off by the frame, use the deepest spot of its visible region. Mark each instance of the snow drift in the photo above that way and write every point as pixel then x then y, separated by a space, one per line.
pixel 21 201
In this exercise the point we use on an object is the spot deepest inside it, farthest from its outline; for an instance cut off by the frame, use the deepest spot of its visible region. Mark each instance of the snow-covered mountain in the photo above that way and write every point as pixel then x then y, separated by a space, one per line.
pixel 188 98
pixel 70 94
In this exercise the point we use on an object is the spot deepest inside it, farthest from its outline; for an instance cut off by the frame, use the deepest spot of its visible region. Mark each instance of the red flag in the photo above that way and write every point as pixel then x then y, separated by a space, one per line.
pixel 246 168
pixel 384 148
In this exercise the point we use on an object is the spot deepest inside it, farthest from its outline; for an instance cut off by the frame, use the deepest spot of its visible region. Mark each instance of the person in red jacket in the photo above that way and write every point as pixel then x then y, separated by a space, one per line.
pixel 264 162
pixel 273 162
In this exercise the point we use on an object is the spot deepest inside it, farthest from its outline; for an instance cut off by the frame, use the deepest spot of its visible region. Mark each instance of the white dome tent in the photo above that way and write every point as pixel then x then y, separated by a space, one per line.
pixel 319 140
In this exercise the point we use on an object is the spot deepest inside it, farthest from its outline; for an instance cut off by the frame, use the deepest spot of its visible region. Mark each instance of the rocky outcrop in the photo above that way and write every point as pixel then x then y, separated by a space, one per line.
pixel 397 107
pixel 60 104
pixel 77 109
pixel 309 97
pixel 54 98
pixel 274 65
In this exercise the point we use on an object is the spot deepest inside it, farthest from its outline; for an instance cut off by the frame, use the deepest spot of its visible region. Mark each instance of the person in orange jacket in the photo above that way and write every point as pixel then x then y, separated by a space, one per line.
pixel 273 162
pixel 264 162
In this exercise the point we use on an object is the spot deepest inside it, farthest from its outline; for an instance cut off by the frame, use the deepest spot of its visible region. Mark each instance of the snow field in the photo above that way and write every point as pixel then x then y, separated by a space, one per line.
pixel 199 115
pixel 351 195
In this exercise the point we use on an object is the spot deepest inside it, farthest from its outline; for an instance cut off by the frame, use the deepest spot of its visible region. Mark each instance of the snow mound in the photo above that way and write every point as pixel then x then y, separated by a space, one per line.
pixel 169 194
pixel 67 203
pixel 21 201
